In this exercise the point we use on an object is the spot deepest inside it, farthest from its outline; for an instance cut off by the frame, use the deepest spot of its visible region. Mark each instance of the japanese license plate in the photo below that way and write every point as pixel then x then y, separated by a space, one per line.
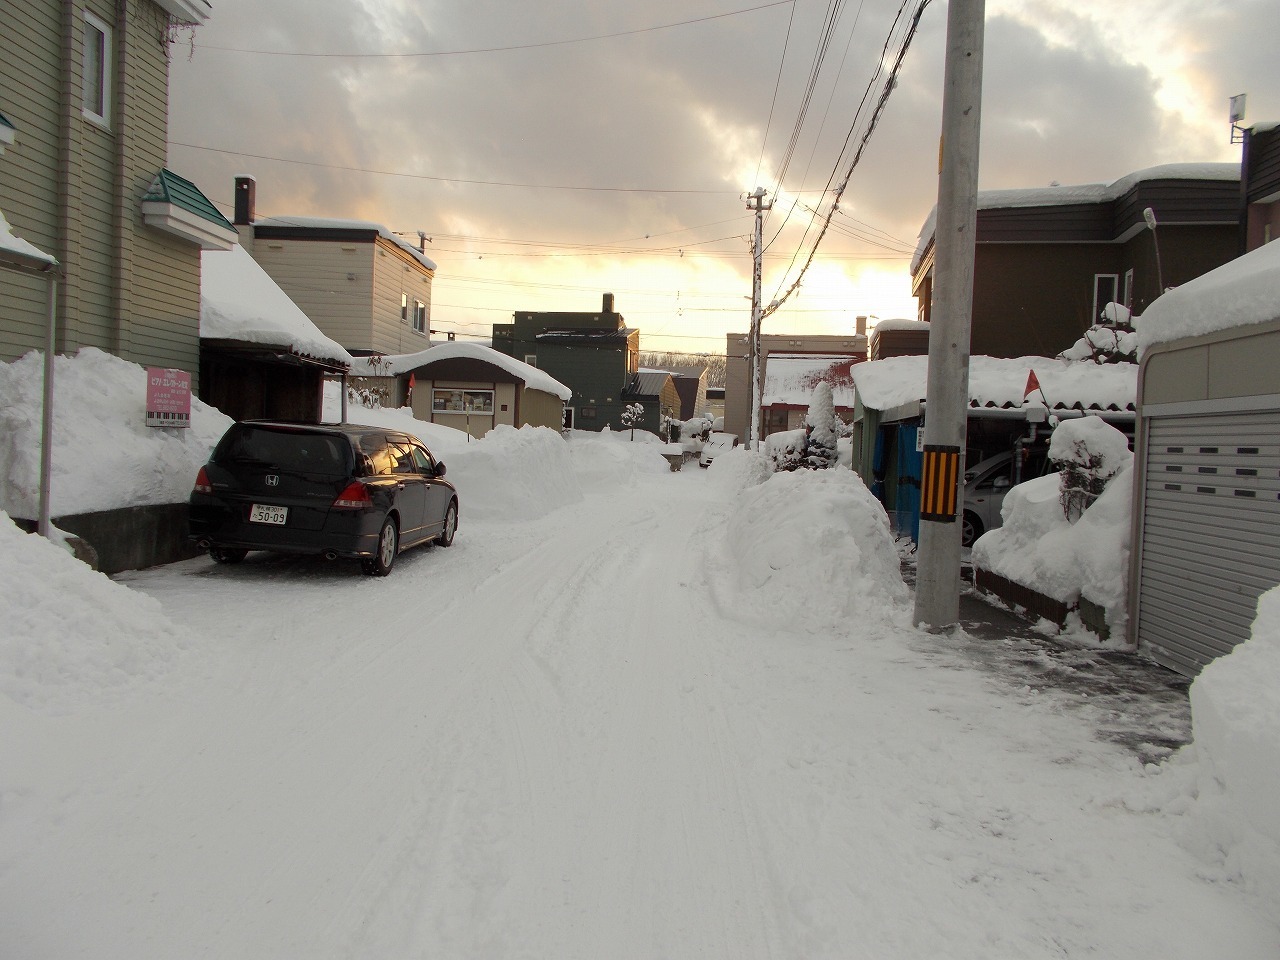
pixel 264 513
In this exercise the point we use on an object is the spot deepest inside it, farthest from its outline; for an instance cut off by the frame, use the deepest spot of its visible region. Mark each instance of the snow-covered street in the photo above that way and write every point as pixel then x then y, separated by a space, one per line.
pixel 667 719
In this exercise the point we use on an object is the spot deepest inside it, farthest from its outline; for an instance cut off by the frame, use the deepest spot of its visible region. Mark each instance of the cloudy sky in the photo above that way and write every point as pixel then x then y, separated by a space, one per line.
pixel 553 152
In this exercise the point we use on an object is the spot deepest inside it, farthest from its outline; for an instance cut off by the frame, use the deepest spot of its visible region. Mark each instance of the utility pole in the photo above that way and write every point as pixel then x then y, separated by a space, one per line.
pixel 756 202
pixel 947 400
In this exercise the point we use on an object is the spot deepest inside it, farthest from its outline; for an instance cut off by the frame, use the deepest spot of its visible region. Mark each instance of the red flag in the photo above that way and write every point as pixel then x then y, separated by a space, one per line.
pixel 410 381
pixel 1033 384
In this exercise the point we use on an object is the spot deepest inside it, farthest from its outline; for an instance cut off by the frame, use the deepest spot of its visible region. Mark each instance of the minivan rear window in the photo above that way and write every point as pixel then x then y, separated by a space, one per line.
pixel 284 450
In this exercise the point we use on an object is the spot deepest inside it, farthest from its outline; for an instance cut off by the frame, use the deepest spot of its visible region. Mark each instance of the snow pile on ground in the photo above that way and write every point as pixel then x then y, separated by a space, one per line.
pixel 514 474
pixel 104 454
pixel 1037 546
pixel 70 634
pixel 609 458
pixel 1236 718
pixel 809 549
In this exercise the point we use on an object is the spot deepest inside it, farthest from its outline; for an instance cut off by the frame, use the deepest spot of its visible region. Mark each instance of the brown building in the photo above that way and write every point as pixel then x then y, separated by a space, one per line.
pixel 1048 260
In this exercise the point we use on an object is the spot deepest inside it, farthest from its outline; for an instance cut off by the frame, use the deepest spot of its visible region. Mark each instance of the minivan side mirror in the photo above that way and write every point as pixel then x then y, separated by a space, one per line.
pixel 439 468
pixel 1001 483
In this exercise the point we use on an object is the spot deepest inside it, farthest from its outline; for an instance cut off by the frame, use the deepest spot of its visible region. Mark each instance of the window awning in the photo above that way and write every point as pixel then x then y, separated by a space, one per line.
pixel 176 205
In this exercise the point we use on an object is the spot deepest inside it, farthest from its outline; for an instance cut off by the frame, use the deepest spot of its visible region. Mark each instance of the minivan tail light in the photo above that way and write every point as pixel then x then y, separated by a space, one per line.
pixel 354 497
pixel 202 482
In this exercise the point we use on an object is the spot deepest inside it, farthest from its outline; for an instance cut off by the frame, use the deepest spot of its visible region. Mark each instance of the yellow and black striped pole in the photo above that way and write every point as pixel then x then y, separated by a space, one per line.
pixel 939 483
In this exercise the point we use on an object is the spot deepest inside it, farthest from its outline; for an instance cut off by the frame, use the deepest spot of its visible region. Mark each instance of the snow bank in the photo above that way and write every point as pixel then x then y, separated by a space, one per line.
pixel 612 458
pixel 514 474
pixel 1038 547
pixel 104 454
pixel 808 550
pixel 1236 723
pixel 71 636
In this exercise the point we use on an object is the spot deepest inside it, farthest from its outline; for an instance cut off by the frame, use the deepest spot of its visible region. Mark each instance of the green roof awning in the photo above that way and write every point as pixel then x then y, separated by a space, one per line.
pixel 176 205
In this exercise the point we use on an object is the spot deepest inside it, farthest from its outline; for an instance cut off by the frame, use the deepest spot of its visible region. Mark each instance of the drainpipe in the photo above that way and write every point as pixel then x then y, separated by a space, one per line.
pixel 43 524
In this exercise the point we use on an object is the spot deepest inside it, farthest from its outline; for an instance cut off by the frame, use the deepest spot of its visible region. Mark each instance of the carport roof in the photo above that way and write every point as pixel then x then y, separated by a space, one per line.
pixel 1000 383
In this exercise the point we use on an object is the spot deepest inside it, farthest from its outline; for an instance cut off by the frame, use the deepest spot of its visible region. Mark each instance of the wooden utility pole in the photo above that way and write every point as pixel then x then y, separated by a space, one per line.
pixel 937 604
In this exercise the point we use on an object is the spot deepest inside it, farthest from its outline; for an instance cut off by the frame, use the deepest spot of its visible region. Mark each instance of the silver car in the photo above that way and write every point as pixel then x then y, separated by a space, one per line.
pixel 985 486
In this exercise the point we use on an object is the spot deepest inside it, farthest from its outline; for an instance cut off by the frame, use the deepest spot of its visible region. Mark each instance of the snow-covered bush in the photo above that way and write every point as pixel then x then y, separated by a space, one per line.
pixel 1112 341
pixel 785 450
pixel 820 442
pixel 1090 452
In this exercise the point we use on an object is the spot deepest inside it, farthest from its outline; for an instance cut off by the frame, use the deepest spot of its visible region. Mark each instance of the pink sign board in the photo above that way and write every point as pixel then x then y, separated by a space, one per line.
pixel 168 397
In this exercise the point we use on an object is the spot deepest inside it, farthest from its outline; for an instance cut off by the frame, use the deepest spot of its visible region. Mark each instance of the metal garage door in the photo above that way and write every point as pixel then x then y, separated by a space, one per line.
pixel 1210 533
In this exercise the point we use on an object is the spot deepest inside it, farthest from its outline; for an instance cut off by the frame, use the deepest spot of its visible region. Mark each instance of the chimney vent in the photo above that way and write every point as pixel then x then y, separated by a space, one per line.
pixel 861 328
pixel 246 200
pixel 608 303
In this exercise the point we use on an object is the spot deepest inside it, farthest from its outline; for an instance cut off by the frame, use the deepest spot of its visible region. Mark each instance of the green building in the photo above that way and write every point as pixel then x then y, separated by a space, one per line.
pixel 593 354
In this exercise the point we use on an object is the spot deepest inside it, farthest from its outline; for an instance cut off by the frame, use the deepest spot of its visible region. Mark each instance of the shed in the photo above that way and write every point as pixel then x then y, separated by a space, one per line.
pixel 656 391
pixel 1206 524
pixel 471 387
pixel 260 355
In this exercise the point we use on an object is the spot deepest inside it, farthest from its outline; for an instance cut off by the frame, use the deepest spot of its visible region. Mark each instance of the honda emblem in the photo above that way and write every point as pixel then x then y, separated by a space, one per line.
pixel 272 480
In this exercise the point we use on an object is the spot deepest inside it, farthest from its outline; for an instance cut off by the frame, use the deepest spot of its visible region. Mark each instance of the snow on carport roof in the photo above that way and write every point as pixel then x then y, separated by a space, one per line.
pixel 239 301
pixel 790 378
pixel 1241 292
pixel 395 365
pixel 1000 382
pixel 28 254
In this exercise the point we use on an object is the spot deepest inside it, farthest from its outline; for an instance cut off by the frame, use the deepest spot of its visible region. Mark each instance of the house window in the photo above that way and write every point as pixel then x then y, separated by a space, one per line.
pixel 404 308
pixel 96 103
pixel 1128 289
pixel 462 401
pixel 419 316
pixel 1106 289
pixel 588 413
pixel 531 359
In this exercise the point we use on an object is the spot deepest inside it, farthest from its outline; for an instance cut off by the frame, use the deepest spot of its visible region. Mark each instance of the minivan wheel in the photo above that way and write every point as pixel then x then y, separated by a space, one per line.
pixel 227 554
pixel 388 547
pixel 970 528
pixel 450 525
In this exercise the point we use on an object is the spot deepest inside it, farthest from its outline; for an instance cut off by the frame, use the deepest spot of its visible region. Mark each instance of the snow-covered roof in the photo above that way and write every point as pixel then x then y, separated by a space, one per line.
pixel 887 326
pixel 337 223
pixel 25 252
pixel 1053 196
pixel 790 378
pixel 1241 292
pixel 999 382
pixel 240 301
pixel 395 365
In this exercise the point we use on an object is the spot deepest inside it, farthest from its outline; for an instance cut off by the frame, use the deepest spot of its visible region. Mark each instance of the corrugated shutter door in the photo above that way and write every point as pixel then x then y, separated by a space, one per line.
pixel 1210 533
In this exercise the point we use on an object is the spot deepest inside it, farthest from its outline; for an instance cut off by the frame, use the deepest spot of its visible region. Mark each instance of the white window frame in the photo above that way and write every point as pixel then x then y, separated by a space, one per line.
pixel 531 359
pixel 1128 289
pixel 404 308
pixel 1098 303
pixel 419 316
pixel 88 103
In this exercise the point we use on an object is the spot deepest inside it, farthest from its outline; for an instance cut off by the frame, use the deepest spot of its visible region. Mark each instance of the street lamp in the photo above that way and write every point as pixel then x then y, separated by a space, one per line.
pixel 1149 215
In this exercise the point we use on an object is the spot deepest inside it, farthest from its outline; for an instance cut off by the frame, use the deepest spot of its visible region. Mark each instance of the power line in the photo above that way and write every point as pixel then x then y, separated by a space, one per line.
pixel 506 49
pixel 424 176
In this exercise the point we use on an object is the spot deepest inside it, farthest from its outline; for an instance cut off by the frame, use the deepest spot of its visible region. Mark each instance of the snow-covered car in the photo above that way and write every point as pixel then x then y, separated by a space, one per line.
pixel 716 442
pixel 985 486
pixel 339 490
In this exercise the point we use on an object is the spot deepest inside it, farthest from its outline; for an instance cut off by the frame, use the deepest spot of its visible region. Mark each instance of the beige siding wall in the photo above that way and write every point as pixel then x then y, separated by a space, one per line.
pixel 128 289
pixel 332 283
pixel 538 409
pixel 1221 366
pixel 30 55
pixel 396 273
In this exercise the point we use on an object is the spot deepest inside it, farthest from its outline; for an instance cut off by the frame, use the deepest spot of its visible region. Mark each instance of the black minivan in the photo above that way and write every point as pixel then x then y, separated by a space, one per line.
pixel 340 490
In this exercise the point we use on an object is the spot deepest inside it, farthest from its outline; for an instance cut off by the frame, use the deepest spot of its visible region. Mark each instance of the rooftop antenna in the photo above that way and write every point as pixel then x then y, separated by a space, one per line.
pixel 1236 115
